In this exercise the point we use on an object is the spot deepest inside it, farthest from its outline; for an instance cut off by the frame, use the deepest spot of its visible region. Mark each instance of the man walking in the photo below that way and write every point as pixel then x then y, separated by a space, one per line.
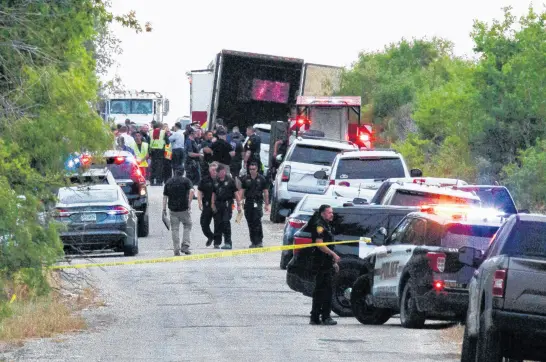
pixel 178 195
pixel 204 198
pixel 254 192
pixel 192 158
pixel 324 265
pixel 225 190
pixel 252 149
pixel 222 152
pixel 177 143
pixel 141 154
pixel 206 153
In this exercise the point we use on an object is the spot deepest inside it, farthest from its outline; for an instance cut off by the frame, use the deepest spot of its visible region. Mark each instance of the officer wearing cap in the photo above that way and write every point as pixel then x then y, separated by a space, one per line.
pixel 255 191
pixel 324 265
pixel 252 149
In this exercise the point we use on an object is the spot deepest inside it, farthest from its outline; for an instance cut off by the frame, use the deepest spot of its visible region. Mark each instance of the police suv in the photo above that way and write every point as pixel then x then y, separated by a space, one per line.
pixel 416 271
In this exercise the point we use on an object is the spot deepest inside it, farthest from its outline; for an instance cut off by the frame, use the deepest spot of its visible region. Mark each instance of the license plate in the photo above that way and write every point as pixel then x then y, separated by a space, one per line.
pixel 89 217
pixel 322 182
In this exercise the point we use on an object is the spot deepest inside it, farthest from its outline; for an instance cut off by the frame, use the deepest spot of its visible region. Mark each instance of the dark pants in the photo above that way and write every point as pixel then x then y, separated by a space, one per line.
pixel 222 219
pixel 206 217
pixel 167 169
pixel 156 175
pixel 193 172
pixel 322 295
pixel 253 216
pixel 178 159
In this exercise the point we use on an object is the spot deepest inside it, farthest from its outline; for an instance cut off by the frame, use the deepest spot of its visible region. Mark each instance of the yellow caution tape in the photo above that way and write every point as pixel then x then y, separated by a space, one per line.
pixel 13 298
pixel 203 256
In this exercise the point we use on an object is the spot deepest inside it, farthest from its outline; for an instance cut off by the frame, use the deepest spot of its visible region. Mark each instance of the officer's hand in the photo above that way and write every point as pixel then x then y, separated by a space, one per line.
pixel 201 207
pixel 336 258
pixel 336 267
pixel 266 208
pixel 214 209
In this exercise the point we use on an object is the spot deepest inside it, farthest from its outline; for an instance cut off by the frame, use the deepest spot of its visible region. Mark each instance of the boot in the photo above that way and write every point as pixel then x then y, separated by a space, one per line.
pixel 329 321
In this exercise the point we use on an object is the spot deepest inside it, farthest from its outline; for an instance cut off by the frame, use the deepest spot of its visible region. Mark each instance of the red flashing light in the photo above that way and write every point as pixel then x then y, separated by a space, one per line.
pixel 63 213
pixel 437 261
pixel 137 176
pixel 119 160
pixel 344 183
pixel 419 181
pixel 85 160
pixel 438 285
pixel 364 137
pixel 296 223
pixel 499 283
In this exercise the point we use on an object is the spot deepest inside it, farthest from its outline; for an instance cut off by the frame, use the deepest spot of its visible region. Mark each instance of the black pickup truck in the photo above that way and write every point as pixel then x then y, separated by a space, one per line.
pixel 507 309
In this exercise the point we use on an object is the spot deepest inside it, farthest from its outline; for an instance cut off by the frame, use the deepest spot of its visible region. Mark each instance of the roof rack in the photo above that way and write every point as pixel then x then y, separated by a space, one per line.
pixel 325 139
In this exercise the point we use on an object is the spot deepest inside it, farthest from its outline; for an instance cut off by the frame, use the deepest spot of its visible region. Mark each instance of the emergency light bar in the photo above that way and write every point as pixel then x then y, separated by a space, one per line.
pixel 350 101
pixel 461 211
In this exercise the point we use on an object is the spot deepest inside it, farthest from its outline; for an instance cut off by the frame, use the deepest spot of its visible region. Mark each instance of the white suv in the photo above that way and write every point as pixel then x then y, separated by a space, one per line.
pixel 359 174
pixel 295 176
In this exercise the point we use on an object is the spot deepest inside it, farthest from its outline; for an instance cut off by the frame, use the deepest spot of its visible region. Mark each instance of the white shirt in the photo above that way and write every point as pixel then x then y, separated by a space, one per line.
pixel 177 139
pixel 129 141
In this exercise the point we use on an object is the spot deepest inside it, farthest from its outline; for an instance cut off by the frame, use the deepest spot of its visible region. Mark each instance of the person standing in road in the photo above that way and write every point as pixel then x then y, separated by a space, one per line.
pixel 236 143
pixel 178 195
pixel 206 153
pixel 254 193
pixel 157 152
pixel 167 154
pixel 252 149
pixel 192 158
pixel 225 190
pixel 204 198
pixel 324 265
pixel 141 154
pixel 127 139
pixel 177 141
pixel 222 152
pixel 145 132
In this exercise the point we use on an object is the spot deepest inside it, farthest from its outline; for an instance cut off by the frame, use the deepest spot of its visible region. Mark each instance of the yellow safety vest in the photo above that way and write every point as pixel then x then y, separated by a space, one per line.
pixel 160 143
pixel 141 155
pixel 168 152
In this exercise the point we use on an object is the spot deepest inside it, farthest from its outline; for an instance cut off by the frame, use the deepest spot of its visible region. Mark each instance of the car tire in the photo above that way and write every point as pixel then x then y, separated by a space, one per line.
pixel 131 250
pixel 365 312
pixel 489 344
pixel 469 348
pixel 410 317
pixel 285 259
pixel 143 226
pixel 274 216
pixel 349 272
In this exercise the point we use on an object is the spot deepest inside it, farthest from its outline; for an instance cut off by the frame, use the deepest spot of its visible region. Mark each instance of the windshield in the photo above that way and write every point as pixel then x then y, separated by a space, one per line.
pixel 415 198
pixel 370 168
pixel 476 236
pixel 314 155
pixel 89 179
pixel 264 135
pixel 528 239
pixel 131 106
pixel 311 204
pixel 76 196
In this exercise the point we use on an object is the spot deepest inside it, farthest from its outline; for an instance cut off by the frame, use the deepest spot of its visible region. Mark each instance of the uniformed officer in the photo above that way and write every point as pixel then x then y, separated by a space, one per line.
pixel 225 190
pixel 324 265
pixel 254 193
pixel 252 149
pixel 206 187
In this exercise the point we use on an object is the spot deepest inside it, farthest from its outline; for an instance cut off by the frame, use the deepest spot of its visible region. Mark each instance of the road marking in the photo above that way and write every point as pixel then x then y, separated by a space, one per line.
pixel 204 256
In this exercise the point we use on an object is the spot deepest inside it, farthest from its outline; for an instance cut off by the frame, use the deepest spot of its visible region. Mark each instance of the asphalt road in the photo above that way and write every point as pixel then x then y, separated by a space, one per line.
pixel 229 309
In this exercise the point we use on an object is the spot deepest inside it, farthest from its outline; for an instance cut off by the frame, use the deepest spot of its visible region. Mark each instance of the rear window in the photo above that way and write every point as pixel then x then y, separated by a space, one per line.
pixel 314 155
pixel 527 239
pixel 476 236
pixel 122 171
pixel 70 196
pixel 370 168
pixel 264 135
pixel 413 198
pixel 89 179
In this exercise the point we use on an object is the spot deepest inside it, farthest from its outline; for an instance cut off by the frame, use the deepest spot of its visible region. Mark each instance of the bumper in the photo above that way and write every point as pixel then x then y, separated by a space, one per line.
pixel 447 304
pixel 300 285
pixel 93 240
pixel 528 324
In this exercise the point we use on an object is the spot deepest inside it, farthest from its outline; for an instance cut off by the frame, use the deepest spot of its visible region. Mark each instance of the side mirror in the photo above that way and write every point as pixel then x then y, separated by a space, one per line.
pixel 470 256
pixel 524 211
pixel 416 172
pixel 166 105
pixel 360 201
pixel 379 237
pixel 382 231
pixel 321 175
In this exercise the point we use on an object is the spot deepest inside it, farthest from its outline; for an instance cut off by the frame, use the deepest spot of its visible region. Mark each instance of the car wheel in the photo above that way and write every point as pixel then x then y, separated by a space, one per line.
pixel 489 344
pixel 143 226
pixel 362 306
pixel 285 259
pixel 469 349
pixel 410 317
pixel 342 287
pixel 274 216
pixel 131 250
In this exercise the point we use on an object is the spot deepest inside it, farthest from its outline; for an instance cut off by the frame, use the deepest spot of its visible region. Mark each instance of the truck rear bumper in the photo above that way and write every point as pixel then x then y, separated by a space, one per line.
pixel 528 324
pixel 451 305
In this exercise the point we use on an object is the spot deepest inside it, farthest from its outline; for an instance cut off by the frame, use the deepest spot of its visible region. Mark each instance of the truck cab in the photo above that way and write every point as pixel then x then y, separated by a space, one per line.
pixel 140 107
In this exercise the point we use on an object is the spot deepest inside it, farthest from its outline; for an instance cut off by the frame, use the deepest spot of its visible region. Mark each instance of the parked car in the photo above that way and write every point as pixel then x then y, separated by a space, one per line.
pixel 97 217
pixel 302 213
pixel 507 309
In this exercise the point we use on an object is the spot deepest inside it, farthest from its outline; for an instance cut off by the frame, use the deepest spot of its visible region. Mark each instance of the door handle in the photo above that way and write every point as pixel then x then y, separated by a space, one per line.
pixel 389 251
pixel 408 250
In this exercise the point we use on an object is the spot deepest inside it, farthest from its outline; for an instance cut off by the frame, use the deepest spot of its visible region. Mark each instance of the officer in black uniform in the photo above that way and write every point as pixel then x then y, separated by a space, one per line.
pixel 225 190
pixel 324 265
pixel 255 191
pixel 206 187
pixel 252 149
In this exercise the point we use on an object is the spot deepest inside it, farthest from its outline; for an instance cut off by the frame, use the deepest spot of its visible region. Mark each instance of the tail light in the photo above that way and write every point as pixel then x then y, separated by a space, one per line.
pixel 419 181
pixel 301 241
pixel 332 182
pixel 296 223
pixel 364 137
pixel 62 213
pixel 119 160
pixel 136 175
pixel 286 174
pixel 499 283
pixel 344 183
pixel 437 261
pixel 438 285
pixel 118 210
